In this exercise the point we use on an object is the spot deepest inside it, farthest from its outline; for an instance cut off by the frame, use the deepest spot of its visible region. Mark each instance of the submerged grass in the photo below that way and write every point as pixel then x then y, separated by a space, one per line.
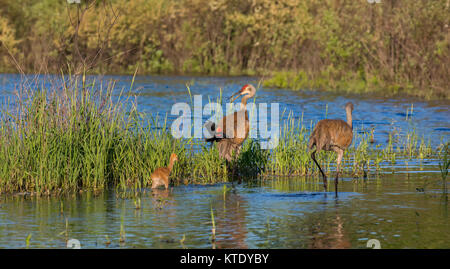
pixel 87 137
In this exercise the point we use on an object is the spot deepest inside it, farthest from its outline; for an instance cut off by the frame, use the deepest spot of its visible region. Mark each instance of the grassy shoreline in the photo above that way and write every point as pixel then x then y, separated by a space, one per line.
pixel 352 83
pixel 77 139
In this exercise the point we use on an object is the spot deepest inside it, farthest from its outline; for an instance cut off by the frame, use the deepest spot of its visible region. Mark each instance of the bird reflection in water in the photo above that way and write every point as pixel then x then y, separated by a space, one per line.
pixel 329 233
pixel 230 216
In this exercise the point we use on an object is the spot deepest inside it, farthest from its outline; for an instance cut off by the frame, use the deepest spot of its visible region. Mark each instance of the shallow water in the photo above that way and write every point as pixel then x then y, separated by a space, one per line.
pixel 276 212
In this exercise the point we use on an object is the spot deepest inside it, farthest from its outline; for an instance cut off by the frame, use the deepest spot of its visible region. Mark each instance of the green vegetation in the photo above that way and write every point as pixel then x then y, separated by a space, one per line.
pixel 27 241
pixel 394 47
pixel 347 83
pixel 213 229
pixel 443 166
pixel 76 138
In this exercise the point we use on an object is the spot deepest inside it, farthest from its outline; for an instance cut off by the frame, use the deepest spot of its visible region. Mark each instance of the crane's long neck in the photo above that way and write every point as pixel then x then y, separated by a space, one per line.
pixel 171 165
pixel 244 102
pixel 349 117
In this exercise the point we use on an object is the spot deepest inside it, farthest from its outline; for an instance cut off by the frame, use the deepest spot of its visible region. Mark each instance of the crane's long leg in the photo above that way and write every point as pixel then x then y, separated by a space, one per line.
pixel 313 156
pixel 230 152
pixel 340 154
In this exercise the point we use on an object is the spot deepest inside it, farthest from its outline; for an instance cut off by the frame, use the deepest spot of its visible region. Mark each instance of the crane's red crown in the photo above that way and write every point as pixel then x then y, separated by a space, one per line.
pixel 244 87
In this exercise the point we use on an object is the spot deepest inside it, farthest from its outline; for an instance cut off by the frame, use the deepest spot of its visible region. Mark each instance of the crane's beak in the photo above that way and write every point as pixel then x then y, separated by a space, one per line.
pixel 237 94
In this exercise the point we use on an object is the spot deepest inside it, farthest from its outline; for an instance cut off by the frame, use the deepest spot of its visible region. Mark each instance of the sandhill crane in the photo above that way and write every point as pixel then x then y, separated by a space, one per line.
pixel 160 177
pixel 230 140
pixel 332 135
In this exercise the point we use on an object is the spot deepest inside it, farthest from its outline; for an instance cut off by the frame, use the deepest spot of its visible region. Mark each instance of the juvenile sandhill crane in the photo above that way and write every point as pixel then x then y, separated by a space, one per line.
pixel 332 135
pixel 160 177
pixel 230 140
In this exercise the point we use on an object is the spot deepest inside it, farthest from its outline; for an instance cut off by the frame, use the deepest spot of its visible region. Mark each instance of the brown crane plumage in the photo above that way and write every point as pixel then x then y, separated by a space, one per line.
pixel 230 140
pixel 332 135
pixel 160 177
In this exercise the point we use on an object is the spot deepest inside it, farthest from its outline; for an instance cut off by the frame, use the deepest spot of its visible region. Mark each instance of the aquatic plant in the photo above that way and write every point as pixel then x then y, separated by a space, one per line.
pixel 444 164
pixel 107 242
pixel 182 241
pixel 213 229
pixel 27 240
pixel 122 231
pixel 137 203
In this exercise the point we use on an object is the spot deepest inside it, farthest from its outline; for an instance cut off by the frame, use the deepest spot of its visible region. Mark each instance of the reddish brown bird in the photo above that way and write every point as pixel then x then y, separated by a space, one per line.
pixel 332 135
pixel 229 140
pixel 160 177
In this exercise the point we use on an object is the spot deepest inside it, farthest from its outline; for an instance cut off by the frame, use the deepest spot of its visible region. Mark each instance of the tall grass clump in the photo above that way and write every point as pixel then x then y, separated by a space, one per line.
pixel 291 155
pixel 253 160
pixel 76 137
pixel 207 167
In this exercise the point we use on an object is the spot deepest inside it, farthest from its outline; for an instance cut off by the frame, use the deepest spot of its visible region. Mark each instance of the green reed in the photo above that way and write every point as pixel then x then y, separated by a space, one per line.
pixel 444 164
pixel 27 240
